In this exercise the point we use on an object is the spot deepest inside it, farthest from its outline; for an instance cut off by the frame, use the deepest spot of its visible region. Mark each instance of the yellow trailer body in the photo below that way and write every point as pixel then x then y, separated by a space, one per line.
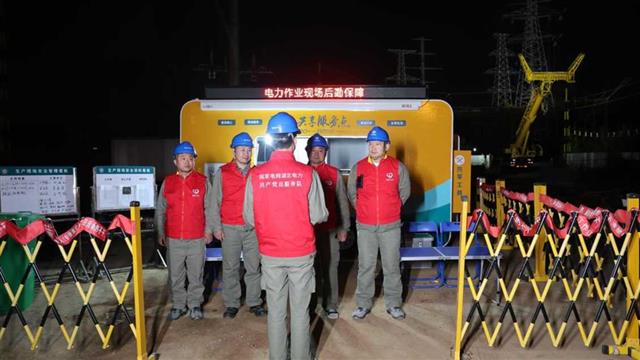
pixel 421 133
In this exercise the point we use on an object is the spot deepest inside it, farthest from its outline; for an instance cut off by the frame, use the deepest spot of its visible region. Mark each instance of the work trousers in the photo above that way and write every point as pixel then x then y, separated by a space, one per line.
pixel 237 241
pixel 186 261
pixel 291 279
pixel 389 244
pixel 326 267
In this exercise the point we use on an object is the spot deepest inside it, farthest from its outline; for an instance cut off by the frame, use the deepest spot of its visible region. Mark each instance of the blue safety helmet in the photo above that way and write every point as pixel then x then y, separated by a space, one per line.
pixel 282 123
pixel 185 147
pixel 242 139
pixel 317 140
pixel 378 134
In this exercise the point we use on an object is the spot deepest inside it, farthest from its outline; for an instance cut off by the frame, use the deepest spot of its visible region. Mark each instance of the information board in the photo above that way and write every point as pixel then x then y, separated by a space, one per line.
pixel 115 187
pixel 461 178
pixel 46 190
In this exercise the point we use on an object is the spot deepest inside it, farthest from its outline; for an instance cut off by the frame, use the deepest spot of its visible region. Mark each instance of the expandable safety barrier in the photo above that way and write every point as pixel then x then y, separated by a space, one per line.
pixel 66 244
pixel 591 253
pixel 487 199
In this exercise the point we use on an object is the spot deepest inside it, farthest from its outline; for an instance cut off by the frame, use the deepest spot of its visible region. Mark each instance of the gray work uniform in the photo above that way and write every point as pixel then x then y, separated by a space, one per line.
pixel 328 249
pixel 238 239
pixel 185 257
pixel 386 238
pixel 291 279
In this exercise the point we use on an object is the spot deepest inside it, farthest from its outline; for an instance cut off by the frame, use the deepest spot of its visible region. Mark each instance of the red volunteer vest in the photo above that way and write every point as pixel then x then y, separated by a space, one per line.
pixel 378 199
pixel 185 206
pixel 281 206
pixel 233 185
pixel 329 176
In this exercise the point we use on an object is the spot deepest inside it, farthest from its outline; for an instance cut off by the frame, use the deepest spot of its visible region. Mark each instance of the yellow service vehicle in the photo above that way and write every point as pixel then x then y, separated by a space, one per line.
pixel 421 132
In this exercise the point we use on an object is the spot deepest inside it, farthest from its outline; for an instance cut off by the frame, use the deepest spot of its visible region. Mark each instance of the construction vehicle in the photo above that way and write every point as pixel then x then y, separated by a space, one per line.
pixel 521 151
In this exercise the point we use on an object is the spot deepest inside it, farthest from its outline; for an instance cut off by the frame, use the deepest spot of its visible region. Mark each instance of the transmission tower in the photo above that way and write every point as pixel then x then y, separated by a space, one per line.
pixel 210 68
pixel 401 77
pixel 532 44
pixel 423 68
pixel 501 90
pixel 255 70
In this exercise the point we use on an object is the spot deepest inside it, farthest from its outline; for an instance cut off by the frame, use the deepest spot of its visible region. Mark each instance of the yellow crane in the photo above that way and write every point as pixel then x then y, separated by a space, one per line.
pixel 544 79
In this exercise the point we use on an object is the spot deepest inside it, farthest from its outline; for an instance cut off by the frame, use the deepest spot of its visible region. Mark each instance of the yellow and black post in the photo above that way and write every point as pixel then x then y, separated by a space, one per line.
pixel 540 269
pixel 461 267
pixel 500 184
pixel 138 289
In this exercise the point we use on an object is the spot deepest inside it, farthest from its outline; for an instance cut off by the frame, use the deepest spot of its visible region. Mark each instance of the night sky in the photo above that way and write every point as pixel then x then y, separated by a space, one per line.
pixel 126 68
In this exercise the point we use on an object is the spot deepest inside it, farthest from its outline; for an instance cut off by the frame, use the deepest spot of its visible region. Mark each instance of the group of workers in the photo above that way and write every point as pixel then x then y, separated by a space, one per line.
pixel 286 219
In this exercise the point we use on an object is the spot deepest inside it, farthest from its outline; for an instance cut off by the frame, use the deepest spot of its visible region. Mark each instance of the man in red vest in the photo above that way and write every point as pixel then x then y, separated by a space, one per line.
pixel 378 186
pixel 229 184
pixel 283 200
pixel 334 230
pixel 185 226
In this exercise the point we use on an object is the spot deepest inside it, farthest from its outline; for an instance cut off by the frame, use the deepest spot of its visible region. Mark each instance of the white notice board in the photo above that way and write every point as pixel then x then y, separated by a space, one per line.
pixel 115 187
pixel 46 190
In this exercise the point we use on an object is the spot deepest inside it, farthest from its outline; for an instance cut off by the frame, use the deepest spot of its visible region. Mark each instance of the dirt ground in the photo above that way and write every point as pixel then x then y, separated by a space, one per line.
pixel 428 332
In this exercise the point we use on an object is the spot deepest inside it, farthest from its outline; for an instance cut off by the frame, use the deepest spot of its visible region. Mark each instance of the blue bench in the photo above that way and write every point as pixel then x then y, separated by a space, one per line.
pixel 215 254
pixel 444 253
pixel 416 227
pixel 441 252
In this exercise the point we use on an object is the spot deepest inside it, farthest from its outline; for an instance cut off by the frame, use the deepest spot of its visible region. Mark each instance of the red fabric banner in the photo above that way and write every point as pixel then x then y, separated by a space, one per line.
pixel 590 220
pixel 122 222
pixel 90 225
pixel 526 229
pixel 493 230
pixel 523 198
pixel 488 188
pixel 39 227
pixel 24 235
